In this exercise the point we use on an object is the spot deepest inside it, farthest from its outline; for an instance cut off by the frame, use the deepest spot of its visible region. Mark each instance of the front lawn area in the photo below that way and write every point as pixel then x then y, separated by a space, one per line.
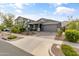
pixel 9 36
pixel 68 50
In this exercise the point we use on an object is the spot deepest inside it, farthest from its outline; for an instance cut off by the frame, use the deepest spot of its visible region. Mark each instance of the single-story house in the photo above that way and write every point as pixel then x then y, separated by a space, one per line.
pixel 43 24
pixel 46 25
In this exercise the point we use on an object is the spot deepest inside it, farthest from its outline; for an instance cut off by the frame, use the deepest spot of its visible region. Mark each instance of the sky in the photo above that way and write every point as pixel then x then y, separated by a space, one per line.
pixel 34 11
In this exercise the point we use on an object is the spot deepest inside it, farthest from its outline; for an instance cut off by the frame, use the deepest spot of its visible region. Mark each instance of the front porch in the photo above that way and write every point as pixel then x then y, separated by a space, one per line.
pixel 35 27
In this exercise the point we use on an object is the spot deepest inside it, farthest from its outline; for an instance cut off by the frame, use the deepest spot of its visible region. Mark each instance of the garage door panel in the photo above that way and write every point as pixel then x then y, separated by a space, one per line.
pixel 50 28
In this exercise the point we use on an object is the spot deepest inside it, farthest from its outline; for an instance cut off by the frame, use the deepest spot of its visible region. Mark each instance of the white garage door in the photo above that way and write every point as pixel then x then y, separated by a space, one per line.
pixel 50 27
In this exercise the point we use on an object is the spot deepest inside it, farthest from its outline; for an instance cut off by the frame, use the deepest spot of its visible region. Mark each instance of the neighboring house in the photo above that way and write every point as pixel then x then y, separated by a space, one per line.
pixel 22 21
pixel 42 24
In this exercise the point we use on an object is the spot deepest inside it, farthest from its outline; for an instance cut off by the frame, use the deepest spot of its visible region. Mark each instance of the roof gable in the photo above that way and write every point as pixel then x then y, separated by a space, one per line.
pixel 21 18
pixel 46 20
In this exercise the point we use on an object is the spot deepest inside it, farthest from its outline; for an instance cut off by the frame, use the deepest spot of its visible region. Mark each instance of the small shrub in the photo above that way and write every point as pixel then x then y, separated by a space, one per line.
pixel 72 35
pixel 68 50
pixel 63 29
pixel 15 29
pixel 59 33
pixel 12 37
pixel 2 27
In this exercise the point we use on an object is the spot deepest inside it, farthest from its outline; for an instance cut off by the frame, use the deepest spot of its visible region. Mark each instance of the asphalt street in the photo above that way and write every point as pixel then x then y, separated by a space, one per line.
pixel 7 49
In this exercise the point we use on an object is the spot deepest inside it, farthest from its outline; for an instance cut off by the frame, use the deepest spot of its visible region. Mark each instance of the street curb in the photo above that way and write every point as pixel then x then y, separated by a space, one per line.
pixel 50 52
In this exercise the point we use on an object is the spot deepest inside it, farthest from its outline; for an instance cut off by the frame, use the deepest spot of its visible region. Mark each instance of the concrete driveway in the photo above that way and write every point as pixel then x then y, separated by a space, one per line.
pixel 49 35
pixel 7 49
pixel 35 45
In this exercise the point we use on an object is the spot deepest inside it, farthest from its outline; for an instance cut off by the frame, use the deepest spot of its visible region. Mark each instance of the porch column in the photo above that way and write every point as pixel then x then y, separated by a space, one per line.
pixel 28 27
pixel 38 27
pixel 34 27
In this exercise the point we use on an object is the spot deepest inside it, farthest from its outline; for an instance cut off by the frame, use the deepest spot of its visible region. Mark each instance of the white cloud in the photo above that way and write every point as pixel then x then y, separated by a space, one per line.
pixel 18 11
pixel 18 5
pixel 64 10
pixel 27 4
pixel 55 4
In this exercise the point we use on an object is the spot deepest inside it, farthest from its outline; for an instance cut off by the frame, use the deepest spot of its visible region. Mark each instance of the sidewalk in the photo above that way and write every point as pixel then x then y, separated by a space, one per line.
pixel 68 43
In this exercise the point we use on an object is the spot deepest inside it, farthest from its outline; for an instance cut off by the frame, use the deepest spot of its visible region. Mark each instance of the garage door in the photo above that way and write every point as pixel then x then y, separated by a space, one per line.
pixel 50 27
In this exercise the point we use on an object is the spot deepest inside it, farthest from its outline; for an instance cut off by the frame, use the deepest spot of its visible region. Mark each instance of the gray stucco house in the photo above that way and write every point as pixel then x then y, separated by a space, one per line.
pixel 43 24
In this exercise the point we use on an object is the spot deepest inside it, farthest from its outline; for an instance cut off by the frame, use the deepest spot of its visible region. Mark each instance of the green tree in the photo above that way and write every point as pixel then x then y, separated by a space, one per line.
pixel 7 20
pixel 73 23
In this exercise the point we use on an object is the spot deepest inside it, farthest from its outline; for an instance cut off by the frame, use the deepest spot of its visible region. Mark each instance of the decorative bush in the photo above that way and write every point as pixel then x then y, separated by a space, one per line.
pixel 68 50
pixel 59 32
pixel 72 35
pixel 15 29
pixel 2 27
pixel 63 29
pixel 12 37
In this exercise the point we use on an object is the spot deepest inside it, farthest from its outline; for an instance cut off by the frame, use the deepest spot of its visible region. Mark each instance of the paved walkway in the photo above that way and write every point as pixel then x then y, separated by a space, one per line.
pixel 66 42
pixel 72 44
pixel 7 49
